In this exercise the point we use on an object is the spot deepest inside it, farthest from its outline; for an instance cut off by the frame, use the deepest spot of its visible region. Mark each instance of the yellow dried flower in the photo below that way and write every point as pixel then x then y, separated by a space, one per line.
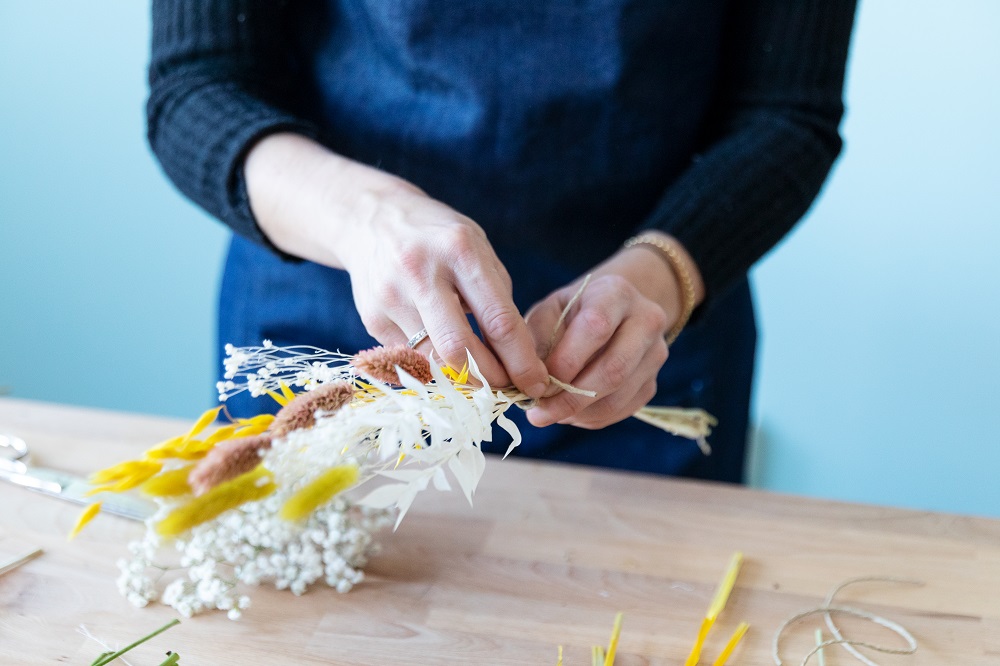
pixel 168 484
pixel 254 426
pixel 227 461
pixel 379 363
pixel 301 412
pixel 126 470
pixel 85 517
pixel 250 487
pixel 167 449
pixel 319 491
pixel 203 421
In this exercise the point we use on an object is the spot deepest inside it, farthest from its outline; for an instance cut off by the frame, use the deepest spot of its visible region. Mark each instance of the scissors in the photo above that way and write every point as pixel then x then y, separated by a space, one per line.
pixel 16 467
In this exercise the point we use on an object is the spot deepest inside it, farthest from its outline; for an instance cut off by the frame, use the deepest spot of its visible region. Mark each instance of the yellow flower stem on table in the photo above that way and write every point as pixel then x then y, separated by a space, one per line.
pixel 722 593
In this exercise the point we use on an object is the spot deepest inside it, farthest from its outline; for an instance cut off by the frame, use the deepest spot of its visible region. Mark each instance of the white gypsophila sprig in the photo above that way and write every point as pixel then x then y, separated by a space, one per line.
pixel 261 369
pixel 220 560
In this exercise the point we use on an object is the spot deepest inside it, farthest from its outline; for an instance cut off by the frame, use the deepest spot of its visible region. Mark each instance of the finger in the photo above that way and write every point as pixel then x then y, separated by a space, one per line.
pixel 624 402
pixel 588 331
pixel 384 329
pixel 541 319
pixel 504 329
pixel 453 338
pixel 599 416
pixel 631 358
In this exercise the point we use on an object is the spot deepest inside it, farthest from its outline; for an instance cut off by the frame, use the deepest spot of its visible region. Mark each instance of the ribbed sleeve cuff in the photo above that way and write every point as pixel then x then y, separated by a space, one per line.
pixel 202 140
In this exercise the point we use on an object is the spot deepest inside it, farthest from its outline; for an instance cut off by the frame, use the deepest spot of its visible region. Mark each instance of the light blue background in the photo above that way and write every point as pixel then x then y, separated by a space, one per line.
pixel 879 373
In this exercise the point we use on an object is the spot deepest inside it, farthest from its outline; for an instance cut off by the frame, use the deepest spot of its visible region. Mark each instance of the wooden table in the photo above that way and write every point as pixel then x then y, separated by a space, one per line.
pixel 546 557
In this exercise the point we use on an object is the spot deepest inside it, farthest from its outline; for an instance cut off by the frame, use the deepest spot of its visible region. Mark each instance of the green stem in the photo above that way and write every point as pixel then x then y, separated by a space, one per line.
pixel 172 659
pixel 115 655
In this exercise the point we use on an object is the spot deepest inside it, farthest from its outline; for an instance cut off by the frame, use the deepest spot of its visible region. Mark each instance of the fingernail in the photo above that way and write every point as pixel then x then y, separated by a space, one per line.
pixel 537 390
pixel 536 418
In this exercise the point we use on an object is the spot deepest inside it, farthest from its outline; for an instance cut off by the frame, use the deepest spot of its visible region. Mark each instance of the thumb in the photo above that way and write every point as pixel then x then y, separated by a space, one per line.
pixel 542 318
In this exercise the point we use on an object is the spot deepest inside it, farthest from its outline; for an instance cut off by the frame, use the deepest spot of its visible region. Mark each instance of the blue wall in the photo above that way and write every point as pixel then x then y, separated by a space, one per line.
pixel 879 360
pixel 880 367
pixel 107 276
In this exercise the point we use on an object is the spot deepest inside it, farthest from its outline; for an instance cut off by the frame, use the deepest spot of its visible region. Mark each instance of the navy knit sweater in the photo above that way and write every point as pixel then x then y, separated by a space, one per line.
pixel 560 126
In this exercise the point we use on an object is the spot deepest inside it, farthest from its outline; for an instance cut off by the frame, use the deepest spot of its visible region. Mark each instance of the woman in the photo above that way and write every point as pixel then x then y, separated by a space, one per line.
pixel 389 167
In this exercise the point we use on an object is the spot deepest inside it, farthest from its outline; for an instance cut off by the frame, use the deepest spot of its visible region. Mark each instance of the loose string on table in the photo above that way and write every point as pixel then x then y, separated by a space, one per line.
pixel 828 609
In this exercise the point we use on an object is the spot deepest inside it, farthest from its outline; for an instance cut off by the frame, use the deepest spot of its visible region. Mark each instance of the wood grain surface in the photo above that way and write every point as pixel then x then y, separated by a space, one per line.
pixel 546 557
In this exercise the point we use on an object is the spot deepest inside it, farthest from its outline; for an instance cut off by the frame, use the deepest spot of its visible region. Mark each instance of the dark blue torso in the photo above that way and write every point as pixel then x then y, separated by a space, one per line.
pixel 557 126
pixel 543 121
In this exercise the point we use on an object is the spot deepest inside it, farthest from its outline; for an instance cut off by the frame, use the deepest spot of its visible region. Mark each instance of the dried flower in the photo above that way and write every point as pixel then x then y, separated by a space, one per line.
pixel 319 491
pixel 173 483
pixel 85 517
pixel 380 363
pixel 250 487
pixel 124 476
pixel 227 461
pixel 300 412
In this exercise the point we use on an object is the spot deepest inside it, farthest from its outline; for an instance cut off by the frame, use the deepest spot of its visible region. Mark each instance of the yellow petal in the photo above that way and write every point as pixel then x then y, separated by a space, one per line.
pixel 122 475
pixel 287 392
pixel 194 449
pixel 260 419
pixel 223 433
pixel 277 398
pixel 319 491
pixel 204 420
pixel 254 429
pixel 168 484
pixel 85 517
pixel 249 487
pixel 167 449
pixel 559 661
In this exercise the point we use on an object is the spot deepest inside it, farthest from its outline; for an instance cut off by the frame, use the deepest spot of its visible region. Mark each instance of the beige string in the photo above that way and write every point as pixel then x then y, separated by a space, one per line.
pixel 562 319
pixel 828 609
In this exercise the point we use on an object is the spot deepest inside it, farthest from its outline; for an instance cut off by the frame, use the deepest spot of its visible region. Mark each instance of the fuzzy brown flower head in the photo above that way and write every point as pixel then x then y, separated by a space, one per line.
pixel 301 412
pixel 228 460
pixel 379 363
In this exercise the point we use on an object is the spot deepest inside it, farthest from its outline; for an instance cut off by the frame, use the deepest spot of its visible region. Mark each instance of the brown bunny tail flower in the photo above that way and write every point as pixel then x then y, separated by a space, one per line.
pixel 379 363
pixel 301 412
pixel 228 460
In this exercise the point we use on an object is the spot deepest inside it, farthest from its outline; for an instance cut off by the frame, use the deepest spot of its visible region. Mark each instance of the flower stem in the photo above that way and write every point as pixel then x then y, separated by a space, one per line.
pixel 108 658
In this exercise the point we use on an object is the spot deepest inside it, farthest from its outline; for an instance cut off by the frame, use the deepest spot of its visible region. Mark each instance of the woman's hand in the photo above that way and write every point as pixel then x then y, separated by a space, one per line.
pixel 612 341
pixel 417 263
pixel 414 262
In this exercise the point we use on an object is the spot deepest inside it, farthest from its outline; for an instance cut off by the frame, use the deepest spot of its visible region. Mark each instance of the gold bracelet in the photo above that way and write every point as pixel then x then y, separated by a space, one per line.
pixel 677 265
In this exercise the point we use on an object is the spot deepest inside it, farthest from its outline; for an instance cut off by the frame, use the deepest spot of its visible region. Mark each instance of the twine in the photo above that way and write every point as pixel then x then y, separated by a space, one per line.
pixel 828 609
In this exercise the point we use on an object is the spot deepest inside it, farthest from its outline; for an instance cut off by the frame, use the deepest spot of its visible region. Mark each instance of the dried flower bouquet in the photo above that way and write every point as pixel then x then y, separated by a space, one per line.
pixel 262 499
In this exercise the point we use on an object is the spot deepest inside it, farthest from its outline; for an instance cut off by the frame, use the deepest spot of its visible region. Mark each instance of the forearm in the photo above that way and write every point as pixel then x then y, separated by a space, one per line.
pixel 309 201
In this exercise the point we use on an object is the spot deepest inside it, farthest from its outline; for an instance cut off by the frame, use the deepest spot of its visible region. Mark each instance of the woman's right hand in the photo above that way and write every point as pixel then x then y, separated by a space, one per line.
pixel 414 262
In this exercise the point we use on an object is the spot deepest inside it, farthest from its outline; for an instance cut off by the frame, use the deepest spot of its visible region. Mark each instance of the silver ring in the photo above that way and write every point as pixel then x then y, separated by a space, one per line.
pixel 417 338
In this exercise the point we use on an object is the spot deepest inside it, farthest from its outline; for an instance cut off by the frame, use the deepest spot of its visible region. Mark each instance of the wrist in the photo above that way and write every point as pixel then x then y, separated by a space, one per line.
pixel 669 276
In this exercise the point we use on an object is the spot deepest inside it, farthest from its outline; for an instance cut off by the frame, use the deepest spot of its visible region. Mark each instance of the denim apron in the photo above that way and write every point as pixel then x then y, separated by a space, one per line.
pixel 710 364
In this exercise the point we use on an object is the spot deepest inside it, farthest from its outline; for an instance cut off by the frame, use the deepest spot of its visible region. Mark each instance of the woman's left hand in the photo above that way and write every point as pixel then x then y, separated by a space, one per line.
pixel 611 342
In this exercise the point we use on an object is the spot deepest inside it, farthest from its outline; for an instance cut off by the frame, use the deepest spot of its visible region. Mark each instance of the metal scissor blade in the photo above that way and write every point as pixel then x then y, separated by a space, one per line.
pixel 74 489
